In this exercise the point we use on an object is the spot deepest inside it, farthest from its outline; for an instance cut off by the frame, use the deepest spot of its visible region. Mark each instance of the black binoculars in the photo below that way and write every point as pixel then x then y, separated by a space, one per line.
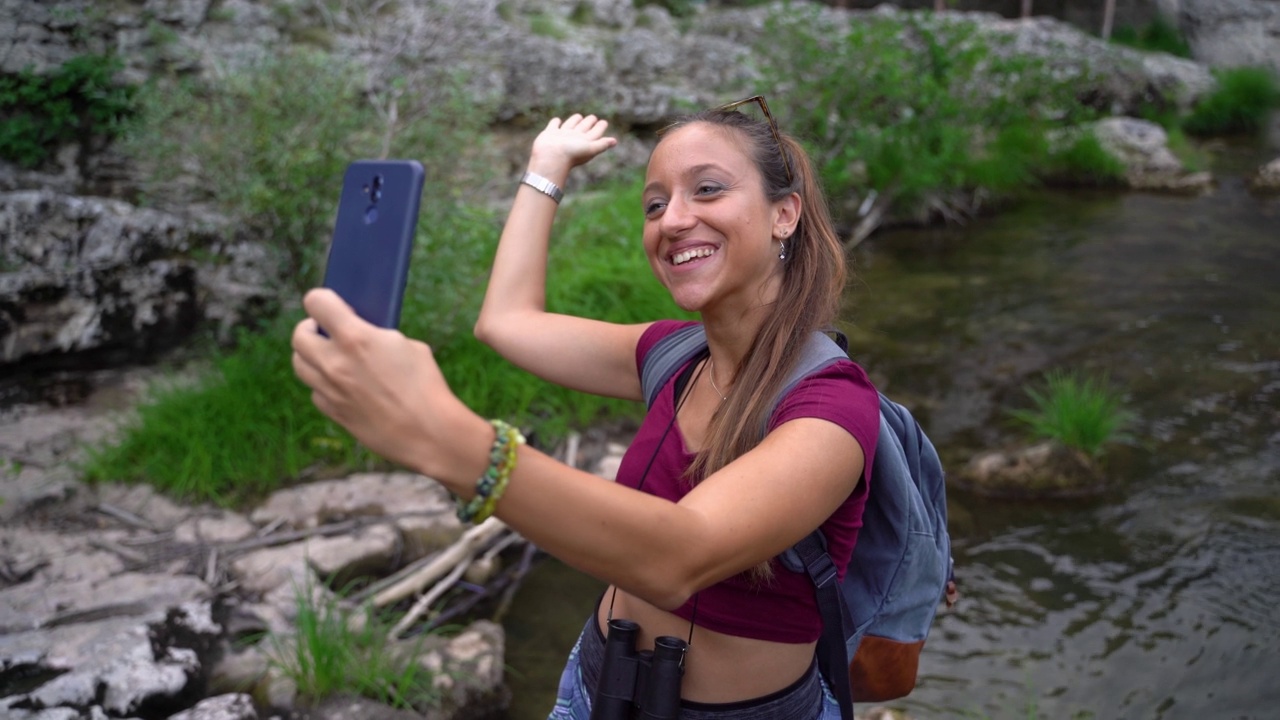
pixel 644 684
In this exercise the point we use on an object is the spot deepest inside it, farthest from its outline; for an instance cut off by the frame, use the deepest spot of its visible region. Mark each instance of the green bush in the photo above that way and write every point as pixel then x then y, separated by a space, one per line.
pixel 1159 35
pixel 1079 411
pixel 78 102
pixel 1241 103
pixel 911 105
pixel 269 143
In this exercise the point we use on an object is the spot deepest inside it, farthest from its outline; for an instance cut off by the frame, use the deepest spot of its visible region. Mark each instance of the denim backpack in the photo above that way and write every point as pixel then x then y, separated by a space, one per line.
pixel 875 620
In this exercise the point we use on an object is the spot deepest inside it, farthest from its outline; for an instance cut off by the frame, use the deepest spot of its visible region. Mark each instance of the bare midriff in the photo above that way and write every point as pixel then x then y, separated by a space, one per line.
pixel 719 668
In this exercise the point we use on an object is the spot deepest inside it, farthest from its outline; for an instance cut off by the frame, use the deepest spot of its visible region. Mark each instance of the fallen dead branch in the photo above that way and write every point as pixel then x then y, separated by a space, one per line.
pixel 465 549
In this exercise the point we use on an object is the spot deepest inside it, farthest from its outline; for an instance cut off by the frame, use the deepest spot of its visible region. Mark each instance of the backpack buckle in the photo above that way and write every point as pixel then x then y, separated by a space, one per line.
pixel 821 570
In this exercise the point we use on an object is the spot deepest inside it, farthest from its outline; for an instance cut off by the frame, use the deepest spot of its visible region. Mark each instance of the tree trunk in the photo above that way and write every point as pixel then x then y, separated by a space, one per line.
pixel 1026 9
pixel 1108 18
pixel 939 5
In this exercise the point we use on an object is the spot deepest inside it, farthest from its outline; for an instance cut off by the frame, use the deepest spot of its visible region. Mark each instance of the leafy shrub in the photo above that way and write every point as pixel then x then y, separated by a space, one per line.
pixel 1076 410
pixel 1241 103
pixel 1159 35
pixel 77 102
pixel 269 143
pixel 910 105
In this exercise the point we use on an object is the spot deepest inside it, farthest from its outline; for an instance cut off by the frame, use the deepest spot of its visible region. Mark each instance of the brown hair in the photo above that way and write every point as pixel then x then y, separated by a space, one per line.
pixel 813 280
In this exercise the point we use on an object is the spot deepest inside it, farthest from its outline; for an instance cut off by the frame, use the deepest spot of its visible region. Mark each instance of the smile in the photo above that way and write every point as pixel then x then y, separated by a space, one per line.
pixel 681 258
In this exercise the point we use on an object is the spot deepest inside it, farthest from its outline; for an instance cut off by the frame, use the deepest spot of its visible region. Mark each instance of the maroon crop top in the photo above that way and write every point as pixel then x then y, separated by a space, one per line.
pixel 783 609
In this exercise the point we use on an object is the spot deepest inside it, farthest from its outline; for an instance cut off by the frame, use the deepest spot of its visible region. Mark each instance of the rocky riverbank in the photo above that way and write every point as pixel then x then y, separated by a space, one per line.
pixel 118 602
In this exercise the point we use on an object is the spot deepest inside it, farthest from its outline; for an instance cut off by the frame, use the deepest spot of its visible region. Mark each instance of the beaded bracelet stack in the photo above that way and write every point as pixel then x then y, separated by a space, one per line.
pixel 493 483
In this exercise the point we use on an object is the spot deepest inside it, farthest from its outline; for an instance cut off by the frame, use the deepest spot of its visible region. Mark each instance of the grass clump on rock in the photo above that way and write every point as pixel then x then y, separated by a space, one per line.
pixel 1079 411
pixel 1242 102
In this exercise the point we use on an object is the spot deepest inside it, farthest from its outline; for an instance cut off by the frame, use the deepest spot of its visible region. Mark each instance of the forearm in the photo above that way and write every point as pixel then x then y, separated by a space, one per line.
pixel 517 281
pixel 634 540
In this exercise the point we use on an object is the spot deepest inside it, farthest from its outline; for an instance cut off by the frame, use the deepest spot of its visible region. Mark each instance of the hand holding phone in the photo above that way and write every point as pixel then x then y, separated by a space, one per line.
pixel 368 261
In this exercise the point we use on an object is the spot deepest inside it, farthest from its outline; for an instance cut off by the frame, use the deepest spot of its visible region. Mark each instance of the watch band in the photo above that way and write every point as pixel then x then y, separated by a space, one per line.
pixel 543 186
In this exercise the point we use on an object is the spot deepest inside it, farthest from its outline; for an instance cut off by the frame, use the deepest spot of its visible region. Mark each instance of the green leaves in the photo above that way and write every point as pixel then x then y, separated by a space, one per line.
pixel 74 103
pixel 910 104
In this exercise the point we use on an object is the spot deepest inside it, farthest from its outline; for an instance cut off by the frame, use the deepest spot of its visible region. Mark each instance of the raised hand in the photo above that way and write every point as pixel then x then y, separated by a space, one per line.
pixel 565 144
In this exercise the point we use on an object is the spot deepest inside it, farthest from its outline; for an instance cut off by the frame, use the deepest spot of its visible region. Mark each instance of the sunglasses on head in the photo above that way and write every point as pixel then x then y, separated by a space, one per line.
pixel 773 125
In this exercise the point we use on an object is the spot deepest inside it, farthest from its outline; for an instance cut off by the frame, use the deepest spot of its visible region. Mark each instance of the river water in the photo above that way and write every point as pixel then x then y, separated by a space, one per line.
pixel 1159 598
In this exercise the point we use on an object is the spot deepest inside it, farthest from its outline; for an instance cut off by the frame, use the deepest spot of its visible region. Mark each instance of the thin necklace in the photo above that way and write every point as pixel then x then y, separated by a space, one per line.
pixel 711 375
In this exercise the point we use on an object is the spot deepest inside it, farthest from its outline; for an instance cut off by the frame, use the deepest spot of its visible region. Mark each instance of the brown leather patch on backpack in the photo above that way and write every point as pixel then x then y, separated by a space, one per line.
pixel 884 669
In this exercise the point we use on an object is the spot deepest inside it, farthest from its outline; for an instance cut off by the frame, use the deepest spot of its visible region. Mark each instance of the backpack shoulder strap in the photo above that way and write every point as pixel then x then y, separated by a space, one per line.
pixel 666 356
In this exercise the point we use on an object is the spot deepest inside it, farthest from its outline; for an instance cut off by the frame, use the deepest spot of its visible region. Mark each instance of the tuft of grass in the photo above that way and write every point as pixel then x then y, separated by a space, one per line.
pixel 1244 98
pixel 333 650
pixel 1077 410
pixel 1085 161
pixel 1159 35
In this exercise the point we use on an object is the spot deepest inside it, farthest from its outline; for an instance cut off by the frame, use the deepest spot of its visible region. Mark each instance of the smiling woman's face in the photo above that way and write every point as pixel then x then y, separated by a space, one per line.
pixel 709 229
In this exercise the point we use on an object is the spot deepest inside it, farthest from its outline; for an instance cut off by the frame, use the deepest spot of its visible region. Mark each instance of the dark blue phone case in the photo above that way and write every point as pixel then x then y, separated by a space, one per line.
pixel 368 264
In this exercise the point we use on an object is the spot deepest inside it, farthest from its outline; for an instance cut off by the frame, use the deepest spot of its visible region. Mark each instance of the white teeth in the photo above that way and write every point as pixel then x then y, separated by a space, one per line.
pixel 684 257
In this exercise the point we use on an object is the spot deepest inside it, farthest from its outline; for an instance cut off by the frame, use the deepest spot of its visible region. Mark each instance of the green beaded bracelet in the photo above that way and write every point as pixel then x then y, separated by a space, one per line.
pixel 493 482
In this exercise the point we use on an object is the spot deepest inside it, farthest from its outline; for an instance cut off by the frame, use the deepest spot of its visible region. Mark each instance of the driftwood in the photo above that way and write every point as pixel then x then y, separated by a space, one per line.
pixel 464 550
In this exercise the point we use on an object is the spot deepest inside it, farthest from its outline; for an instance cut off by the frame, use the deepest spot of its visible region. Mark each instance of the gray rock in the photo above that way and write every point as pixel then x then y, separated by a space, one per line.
pixel 468 670
pixel 120 663
pixel 368 551
pixel 52 558
pixel 1232 33
pixel 144 502
pixel 1267 179
pixel 217 526
pixel 238 671
pixel 96 275
pixel 422 509
pixel 1043 470
pixel 1143 147
pixel 41 604
pixel 221 707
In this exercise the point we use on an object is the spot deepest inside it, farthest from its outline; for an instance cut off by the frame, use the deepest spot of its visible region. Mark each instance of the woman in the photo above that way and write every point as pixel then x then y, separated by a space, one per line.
pixel 737 230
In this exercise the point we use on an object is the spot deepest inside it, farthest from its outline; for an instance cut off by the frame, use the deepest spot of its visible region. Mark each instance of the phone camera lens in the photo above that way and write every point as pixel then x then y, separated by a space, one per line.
pixel 377 182
pixel 377 194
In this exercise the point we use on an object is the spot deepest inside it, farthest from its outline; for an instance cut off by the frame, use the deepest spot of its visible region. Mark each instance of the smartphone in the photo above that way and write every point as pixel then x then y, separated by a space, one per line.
pixel 368 262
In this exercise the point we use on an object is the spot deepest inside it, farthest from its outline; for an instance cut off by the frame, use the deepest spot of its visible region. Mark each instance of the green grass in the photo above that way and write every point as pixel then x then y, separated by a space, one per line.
pixel 1085 161
pixel 233 435
pixel 1159 35
pixel 1077 410
pixel 330 654
pixel 1241 103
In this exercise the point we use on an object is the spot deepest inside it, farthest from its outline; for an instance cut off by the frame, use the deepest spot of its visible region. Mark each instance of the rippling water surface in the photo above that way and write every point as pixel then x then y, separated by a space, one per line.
pixel 1160 599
